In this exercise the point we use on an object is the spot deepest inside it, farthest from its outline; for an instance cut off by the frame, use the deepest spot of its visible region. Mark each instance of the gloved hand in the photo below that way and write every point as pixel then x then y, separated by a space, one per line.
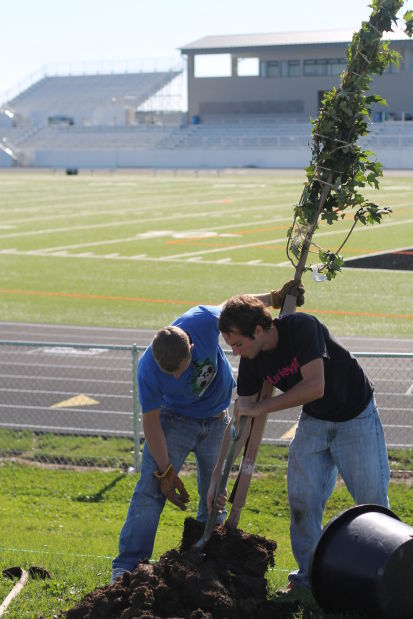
pixel 291 287
pixel 172 487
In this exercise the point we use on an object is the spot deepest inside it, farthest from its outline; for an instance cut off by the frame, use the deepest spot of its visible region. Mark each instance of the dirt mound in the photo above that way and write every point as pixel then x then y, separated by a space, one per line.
pixel 226 581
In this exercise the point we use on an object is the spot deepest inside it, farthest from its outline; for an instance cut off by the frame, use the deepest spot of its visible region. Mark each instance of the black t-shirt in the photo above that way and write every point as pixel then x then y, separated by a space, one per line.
pixel 301 339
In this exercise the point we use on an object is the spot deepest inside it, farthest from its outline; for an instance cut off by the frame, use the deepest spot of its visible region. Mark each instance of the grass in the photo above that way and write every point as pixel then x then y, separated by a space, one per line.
pixel 137 249
pixel 69 522
pixel 75 450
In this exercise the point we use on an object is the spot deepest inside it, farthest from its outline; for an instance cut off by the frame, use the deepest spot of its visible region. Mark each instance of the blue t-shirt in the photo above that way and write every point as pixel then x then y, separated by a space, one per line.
pixel 205 388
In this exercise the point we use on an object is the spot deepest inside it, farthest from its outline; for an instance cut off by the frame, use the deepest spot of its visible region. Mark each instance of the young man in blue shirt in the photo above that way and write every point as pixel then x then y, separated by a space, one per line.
pixel 185 386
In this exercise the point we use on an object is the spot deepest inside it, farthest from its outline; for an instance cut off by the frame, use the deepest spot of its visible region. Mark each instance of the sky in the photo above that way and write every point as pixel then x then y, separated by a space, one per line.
pixel 59 36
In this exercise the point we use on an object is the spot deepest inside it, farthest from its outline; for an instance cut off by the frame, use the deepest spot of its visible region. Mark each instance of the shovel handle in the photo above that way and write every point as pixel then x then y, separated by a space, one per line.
pixel 236 433
pixel 15 591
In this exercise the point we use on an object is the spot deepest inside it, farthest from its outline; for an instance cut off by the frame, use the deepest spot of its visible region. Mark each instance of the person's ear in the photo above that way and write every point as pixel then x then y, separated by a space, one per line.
pixel 258 331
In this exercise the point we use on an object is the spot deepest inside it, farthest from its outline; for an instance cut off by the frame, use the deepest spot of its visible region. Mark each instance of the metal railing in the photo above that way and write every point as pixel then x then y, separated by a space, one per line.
pixel 78 404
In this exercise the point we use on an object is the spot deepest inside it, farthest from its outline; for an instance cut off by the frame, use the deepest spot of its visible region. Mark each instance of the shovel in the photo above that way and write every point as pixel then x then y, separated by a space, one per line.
pixel 236 433
pixel 23 576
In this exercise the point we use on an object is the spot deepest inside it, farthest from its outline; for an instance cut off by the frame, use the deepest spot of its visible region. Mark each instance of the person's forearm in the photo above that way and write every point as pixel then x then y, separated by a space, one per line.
pixel 302 393
pixel 155 439
pixel 264 297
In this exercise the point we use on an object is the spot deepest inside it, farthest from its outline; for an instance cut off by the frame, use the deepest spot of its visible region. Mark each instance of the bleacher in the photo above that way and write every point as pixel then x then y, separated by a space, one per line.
pixel 97 137
pixel 99 124
pixel 242 131
pixel 89 99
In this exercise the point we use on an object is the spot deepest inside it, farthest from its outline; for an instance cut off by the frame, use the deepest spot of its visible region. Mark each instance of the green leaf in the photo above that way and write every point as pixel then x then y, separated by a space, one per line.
pixel 376 99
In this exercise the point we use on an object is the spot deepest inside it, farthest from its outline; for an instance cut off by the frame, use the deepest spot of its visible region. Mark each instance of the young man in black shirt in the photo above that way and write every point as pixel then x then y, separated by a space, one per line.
pixel 339 429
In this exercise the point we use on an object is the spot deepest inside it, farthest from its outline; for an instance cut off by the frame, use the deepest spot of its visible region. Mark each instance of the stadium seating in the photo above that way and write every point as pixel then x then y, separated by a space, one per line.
pixel 91 99
pixel 81 121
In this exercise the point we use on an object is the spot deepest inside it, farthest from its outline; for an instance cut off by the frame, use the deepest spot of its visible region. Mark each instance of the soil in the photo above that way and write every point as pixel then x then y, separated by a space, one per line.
pixel 226 581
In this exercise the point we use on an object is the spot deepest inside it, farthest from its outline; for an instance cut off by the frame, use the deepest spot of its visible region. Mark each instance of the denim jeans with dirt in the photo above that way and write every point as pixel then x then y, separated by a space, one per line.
pixel 319 451
pixel 183 435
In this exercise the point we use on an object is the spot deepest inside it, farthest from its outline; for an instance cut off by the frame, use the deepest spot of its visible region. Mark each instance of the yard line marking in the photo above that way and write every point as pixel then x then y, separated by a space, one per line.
pixel 270 242
pixel 410 390
pixel 144 258
pixel 137 237
pixel 140 221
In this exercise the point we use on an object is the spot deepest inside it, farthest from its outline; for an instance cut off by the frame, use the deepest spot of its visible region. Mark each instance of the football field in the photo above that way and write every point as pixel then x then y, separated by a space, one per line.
pixel 135 249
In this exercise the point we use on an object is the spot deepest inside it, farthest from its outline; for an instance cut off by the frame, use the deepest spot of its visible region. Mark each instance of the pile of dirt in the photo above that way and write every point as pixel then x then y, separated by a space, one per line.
pixel 226 581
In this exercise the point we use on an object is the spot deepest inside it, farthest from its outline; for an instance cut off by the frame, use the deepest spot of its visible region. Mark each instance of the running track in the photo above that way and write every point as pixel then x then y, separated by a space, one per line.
pixel 88 390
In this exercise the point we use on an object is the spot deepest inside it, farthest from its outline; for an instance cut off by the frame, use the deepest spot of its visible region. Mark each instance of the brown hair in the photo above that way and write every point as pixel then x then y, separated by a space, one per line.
pixel 244 313
pixel 170 346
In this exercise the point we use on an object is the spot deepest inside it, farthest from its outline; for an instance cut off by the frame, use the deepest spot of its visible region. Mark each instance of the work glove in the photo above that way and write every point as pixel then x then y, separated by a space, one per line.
pixel 172 487
pixel 292 287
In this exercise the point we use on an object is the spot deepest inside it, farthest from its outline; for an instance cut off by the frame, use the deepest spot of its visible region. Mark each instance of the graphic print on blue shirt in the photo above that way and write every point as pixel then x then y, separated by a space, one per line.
pixel 204 373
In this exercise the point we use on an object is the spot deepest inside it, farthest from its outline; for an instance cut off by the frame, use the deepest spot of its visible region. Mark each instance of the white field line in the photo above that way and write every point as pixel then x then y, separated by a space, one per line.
pixel 221 262
pixel 207 214
pixel 171 233
pixel 184 257
pixel 410 390
pixel 119 212
pixel 271 242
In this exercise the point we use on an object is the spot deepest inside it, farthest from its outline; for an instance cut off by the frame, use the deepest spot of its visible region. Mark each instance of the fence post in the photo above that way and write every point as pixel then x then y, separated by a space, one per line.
pixel 136 424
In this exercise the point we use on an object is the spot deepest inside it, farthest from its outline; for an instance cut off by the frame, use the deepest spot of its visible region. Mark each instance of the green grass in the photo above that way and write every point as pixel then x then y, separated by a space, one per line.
pixel 66 449
pixel 69 523
pixel 50 221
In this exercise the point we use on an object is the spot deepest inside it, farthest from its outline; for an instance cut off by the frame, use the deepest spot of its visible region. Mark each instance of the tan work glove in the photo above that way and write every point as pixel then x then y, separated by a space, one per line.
pixel 277 296
pixel 172 487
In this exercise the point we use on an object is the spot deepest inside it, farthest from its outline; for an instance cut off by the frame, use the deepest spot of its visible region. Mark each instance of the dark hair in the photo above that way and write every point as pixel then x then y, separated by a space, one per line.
pixel 170 346
pixel 244 313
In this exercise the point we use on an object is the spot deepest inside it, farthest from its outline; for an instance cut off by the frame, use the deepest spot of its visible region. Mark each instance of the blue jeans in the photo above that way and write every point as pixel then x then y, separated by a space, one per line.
pixel 320 449
pixel 183 435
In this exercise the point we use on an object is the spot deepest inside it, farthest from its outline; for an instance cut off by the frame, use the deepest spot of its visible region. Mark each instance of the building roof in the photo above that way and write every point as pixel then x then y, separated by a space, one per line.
pixel 219 43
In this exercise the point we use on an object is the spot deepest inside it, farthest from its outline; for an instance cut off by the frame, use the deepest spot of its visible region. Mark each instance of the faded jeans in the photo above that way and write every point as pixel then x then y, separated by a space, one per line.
pixel 320 449
pixel 183 435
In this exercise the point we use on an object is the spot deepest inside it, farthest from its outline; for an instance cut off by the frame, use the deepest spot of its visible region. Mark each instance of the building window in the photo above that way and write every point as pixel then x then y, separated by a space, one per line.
pixel 212 65
pixel 247 67
pixel 272 68
pixel 280 68
pixel 290 68
pixel 324 66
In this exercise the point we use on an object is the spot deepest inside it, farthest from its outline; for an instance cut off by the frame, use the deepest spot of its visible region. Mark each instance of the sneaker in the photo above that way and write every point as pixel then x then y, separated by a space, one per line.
pixel 117 573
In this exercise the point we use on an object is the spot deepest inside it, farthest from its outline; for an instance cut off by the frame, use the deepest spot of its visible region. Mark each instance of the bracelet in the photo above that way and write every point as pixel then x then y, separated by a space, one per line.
pixel 272 293
pixel 159 475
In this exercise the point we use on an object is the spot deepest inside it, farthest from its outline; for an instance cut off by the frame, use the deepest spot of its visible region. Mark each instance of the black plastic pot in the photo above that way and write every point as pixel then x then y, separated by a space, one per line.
pixel 364 561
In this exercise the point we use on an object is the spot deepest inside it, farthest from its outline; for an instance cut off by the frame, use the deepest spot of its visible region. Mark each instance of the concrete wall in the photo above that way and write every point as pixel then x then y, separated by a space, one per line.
pixel 198 158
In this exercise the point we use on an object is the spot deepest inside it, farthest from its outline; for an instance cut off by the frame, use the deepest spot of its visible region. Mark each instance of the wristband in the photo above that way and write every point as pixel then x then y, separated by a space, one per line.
pixel 272 293
pixel 159 475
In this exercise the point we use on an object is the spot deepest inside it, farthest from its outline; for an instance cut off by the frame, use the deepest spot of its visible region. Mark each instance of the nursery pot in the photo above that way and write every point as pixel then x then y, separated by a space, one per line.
pixel 364 561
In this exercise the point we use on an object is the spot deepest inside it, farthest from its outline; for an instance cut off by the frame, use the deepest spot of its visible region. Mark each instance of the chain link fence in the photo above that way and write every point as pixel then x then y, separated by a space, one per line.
pixel 77 404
